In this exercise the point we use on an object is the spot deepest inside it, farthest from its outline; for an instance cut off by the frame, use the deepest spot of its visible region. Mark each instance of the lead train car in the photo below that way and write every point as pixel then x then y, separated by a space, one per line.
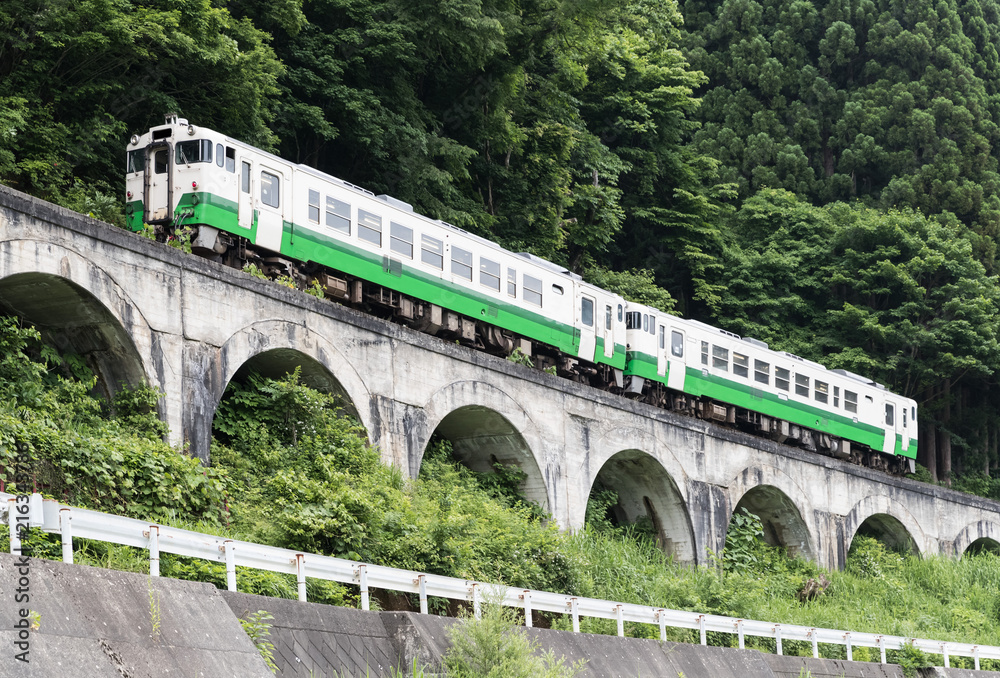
pixel 719 375
pixel 179 175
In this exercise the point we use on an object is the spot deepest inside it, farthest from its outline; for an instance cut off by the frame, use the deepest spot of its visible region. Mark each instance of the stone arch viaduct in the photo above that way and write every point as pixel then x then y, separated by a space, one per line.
pixel 138 310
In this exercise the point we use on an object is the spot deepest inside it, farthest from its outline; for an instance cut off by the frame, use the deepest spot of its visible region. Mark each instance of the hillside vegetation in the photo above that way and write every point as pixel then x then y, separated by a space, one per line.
pixel 289 469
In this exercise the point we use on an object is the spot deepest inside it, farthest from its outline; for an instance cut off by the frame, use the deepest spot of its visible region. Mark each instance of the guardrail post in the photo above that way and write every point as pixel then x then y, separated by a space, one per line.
pixel 363 581
pixel 66 531
pixel 300 574
pixel 847 641
pixel 815 640
pixel 422 583
pixel 229 549
pixel 526 597
pixel 703 637
pixel 662 618
pixel 881 648
pixel 576 615
pixel 777 637
pixel 621 621
pixel 739 633
pixel 476 610
pixel 944 651
pixel 15 543
pixel 975 656
pixel 154 550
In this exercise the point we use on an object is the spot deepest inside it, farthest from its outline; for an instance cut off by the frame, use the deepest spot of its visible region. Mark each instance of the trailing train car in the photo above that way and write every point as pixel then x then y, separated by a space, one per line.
pixel 692 367
pixel 244 203
pixel 241 205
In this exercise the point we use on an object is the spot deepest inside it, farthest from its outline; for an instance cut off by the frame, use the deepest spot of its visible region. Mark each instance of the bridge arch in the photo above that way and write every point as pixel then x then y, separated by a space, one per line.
pixel 888 521
pixel 976 537
pixel 784 508
pixel 485 426
pixel 650 484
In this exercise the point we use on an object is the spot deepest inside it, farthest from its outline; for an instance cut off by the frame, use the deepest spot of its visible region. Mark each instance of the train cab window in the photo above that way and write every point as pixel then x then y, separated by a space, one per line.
pixel 370 227
pixel 850 401
pixel 720 358
pixel 782 377
pixel 802 385
pixel 633 320
pixel 189 152
pixel 314 206
pixel 890 415
pixel 663 337
pixel 489 274
pixel 587 312
pixel 432 252
pixel 621 309
pixel 136 161
pixel 741 365
pixel 532 290
pixel 836 396
pixel 608 317
pixel 704 353
pixel 461 262
pixel 511 282
pixel 270 189
pixel 821 391
pixel 401 239
pixel 338 215
pixel 160 162
pixel 230 160
pixel 676 344
pixel 245 177
pixel 761 372
pixel 220 155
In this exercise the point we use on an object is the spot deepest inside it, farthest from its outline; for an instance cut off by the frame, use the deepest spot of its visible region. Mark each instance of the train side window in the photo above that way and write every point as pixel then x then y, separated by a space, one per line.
pixel 621 309
pixel 904 417
pixel 489 274
pixel 663 337
pixel 836 396
pixel 370 227
pixel 160 162
pixel 338 215
pixel 676 344
pixel 890 415
pixel 652 325
pixel 850 401
pixel 270 189
pixel 821 391
pixel 761 372
pixel 782 378
pixel 432 252
pixel 220 155
pixel 511 282
pixel 230 160
pixel 913 413
pixel 720 358
pixel 401 239
pixel 645 322
pixel 608 317
pixel 741 365
pixel 314 206
pixel 704 353
pixel 587 311
pixel 802 385
pixel 461 262
pixel 136 161
pixel 532 290
pixel 245 177
pixel 633 320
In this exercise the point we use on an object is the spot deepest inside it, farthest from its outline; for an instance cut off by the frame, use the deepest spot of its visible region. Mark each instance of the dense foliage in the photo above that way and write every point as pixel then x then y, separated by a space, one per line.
pixel 819 173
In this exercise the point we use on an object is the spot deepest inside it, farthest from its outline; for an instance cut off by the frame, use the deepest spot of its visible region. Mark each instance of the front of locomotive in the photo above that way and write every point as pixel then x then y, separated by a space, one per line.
pixel 179 175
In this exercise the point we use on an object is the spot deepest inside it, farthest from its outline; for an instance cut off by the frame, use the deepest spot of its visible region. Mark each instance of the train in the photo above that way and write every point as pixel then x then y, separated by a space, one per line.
pixel 242 206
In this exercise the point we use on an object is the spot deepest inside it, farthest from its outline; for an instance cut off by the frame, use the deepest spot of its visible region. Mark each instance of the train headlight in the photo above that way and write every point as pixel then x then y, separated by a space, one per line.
pixel 135 139
pixel 190 130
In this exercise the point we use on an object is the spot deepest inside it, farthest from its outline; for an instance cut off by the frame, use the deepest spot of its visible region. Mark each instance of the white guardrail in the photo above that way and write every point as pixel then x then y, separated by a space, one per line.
pixel 53 517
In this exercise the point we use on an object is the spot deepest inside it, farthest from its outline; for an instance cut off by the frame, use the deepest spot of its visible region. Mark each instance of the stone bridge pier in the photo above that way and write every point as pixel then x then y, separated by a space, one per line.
pixel 137 310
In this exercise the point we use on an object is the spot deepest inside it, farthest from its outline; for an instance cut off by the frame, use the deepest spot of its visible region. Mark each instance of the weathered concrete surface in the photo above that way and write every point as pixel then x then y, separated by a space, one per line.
pixel 99 624
pixel 138 309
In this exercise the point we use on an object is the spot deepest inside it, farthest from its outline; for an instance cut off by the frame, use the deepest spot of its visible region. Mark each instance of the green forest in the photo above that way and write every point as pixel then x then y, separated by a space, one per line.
pixel 819 175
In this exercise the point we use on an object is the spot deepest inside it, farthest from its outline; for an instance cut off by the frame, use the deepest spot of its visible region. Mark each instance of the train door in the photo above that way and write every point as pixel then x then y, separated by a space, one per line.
pixel 677 367
pixel 158 183
pixel 245 209
pixel 890 424
pixel 588 330
pixel 270 206
pixel 661 349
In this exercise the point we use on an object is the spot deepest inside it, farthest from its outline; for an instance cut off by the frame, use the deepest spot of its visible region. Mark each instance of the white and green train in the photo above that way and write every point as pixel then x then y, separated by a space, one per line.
pixel 242 205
